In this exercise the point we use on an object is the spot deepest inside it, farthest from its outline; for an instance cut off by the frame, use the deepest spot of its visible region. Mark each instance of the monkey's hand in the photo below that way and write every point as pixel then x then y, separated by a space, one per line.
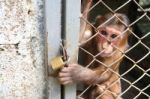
pixel 76 73
pixel 101 88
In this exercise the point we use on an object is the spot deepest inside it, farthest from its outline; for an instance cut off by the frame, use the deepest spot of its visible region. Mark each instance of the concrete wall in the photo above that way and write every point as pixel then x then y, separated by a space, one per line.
pixel 22 49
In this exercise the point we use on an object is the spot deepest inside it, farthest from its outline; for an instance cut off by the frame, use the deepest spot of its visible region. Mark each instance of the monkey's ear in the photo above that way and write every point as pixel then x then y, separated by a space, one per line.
pixel 123 18
pixel 99 20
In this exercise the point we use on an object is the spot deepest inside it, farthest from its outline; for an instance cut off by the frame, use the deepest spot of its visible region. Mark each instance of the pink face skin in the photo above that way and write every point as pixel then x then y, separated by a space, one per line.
pixel 107 38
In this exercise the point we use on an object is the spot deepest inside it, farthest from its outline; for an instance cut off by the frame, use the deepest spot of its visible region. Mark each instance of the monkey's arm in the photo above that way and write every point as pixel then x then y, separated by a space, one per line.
pixel 75 73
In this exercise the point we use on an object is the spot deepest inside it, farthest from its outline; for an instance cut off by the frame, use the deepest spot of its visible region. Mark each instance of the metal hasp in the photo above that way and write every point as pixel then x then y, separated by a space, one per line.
pixel 62 22
pixel 72 30
pixel 53 28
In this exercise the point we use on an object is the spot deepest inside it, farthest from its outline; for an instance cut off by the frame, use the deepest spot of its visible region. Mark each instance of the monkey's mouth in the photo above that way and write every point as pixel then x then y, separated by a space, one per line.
pixel 103 54
pixel 107 53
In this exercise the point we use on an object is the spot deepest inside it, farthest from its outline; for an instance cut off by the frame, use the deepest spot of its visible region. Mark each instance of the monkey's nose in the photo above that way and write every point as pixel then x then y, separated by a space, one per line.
pixel 109 42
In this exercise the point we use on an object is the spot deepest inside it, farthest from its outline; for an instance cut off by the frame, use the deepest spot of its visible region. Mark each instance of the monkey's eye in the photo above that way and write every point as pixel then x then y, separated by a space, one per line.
pixel 104 33
pixel 113 36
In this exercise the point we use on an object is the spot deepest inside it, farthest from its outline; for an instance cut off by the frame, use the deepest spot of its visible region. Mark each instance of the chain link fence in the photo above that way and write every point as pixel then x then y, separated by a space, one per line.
pixel 134 70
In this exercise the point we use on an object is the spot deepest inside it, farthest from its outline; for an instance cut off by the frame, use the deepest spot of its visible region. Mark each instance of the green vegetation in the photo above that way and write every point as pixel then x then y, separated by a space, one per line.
pixel 144 2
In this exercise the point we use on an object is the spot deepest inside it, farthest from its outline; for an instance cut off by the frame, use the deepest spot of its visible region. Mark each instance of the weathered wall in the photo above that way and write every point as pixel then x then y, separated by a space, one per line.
pixel 22 39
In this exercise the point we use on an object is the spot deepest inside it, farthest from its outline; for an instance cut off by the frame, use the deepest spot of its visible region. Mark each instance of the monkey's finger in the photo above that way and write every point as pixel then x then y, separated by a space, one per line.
pixel 72 65
pixel 101 88
pixel 65 69
pixel 65 79
pixel 62 74
pixel 67 82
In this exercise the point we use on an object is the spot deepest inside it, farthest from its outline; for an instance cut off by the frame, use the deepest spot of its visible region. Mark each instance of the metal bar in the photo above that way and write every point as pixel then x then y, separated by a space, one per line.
pixel 53 26
pixel 72 29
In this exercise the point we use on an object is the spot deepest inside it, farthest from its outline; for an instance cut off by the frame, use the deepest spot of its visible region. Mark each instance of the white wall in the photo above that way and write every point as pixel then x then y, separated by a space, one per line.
pixel 22 49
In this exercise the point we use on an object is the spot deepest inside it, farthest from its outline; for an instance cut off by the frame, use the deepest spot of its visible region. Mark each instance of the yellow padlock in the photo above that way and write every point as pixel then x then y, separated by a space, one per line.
pixel 57 63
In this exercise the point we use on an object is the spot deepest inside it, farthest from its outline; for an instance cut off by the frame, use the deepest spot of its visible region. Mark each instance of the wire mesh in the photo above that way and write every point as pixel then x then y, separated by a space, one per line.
pixel 135 75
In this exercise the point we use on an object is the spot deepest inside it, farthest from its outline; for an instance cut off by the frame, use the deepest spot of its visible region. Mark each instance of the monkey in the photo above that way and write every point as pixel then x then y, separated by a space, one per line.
pixel 86 4
pixel 111 30
pixel 108 45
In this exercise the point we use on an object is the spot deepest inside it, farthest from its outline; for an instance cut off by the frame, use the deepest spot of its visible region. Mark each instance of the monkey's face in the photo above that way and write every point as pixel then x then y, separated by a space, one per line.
pixel 108 39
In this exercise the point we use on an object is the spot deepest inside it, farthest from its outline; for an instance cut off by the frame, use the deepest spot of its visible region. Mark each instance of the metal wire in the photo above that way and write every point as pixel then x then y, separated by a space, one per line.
pixel 135 63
